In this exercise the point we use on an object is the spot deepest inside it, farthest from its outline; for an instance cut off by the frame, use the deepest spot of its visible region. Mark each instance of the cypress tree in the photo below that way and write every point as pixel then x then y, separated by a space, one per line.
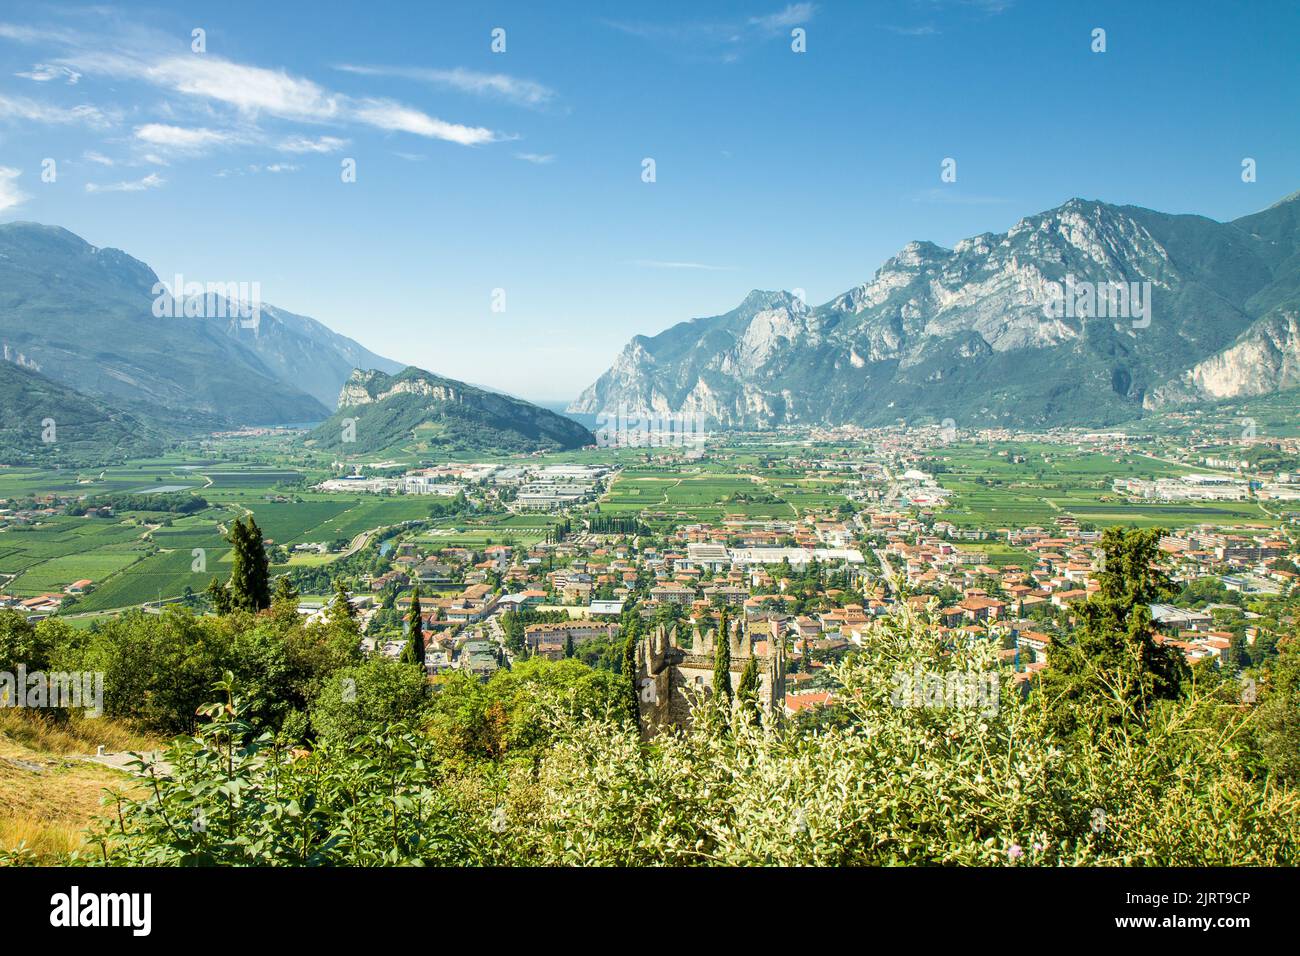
pixel 632 625
pixel 722 663
pixel 237 586
pixel 250 573
pixel 415 629
pixel 260 567
pixel 747 692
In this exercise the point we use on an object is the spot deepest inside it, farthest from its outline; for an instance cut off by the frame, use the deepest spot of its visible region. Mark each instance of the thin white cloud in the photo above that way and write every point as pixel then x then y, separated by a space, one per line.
pixel 152 181
pixel 792 16
pixel 44 72
pixel 91 156
pixel 255 168
pixel 500 85
pixel 12 31
pixel 723 40
pixel 254 91
pixel 21 108
pixel 393 116
pixel 10 194
pixel 182 138
pixel 540 159
pixel 304 144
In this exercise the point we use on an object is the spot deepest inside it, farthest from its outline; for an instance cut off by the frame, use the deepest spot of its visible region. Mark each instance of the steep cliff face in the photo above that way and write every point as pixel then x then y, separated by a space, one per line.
pixel 980 332
pixel 1265 358
pixel 369 386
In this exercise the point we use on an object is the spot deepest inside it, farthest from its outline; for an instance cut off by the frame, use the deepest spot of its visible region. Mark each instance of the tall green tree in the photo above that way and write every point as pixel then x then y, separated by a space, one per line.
pixel 1111 660
pixel 250 573
pixel 747 691
pixel 722 662
pixel 415 629
pixel 631 693
pixel 341 609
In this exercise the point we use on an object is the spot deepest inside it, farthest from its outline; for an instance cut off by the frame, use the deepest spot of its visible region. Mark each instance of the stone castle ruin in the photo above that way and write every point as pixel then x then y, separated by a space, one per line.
pixel 671 677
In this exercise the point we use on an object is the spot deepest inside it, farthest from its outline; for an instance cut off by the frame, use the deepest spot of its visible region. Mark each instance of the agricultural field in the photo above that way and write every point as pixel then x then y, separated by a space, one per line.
pixel 706 497
pixel 991 490
pixel 139 557
pixel 521 530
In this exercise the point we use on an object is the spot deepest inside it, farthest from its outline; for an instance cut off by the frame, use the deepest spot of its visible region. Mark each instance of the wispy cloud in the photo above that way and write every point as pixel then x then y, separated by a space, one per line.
pixel 393 116
pixel 792 16
pixel 540 159
pixel 10 194
pixel 252 92
pixel 667 264
pixel 21 108
pixel 152 181
pixel 304 144
pixel 255 168
pixel 255 90
pixel 499 85
pixel 946 10
pixel 182 138
pixel 91 156
pixel 44 72
pixel 718 39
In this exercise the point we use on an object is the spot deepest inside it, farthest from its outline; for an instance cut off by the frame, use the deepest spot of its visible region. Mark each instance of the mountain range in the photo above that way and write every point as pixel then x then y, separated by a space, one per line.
pixel 997 330
pixel 84 317
pixel 82 345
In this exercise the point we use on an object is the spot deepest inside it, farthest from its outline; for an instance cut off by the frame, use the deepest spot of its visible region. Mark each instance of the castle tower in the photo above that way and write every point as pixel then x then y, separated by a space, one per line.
pixel 670 677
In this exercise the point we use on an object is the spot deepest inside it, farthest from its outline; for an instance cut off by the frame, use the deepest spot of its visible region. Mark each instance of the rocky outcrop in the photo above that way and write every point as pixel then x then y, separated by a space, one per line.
pixel 1264 359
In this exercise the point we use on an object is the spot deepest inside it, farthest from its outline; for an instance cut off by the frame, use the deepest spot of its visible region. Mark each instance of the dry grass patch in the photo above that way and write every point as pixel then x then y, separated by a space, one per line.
pixel 48 795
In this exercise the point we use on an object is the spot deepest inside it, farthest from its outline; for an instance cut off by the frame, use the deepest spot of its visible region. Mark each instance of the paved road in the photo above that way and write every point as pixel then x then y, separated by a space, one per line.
pixel 886 568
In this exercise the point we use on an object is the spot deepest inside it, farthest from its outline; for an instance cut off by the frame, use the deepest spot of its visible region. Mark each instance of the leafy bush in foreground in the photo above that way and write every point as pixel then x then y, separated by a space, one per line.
pixel 976 785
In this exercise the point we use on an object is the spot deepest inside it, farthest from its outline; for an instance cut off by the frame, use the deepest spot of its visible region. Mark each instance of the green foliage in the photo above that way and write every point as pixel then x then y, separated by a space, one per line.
pixel 508 716
pixel 722 663
pixel 631 694
pixel 1112 659
pixel 158 667
pixel 1279 714
pixel 235 797
pixel 22 642
pixel 250 575
pixel 177 502
pixel 887 784
pixel 415 629
pixel 362 700
pixel 747 690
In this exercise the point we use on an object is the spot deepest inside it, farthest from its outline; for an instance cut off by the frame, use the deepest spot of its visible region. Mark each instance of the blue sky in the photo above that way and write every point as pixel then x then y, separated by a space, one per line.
pixel 522 170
